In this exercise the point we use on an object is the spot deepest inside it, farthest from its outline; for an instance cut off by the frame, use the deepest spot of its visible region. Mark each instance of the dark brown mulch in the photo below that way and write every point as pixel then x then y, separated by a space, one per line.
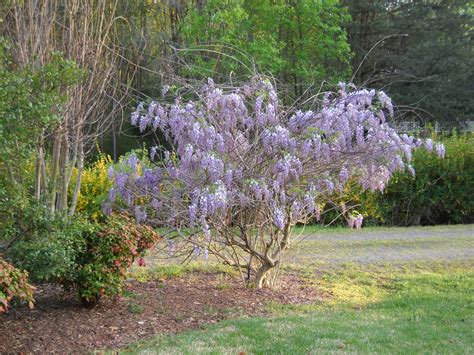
pixel 59 323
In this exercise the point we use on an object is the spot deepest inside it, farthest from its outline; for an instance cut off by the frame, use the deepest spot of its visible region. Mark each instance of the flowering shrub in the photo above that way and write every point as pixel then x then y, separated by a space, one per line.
pixel 108 254
pixel 95 186
pixel 13 283
pixel 244 169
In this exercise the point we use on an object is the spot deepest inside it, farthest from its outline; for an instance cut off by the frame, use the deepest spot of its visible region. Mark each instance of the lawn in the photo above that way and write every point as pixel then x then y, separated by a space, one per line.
pixel 387 290
pixel 415 304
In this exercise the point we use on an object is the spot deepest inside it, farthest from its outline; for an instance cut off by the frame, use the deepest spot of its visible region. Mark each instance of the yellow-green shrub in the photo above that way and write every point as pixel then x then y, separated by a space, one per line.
pixel 441 192
pixel 95 185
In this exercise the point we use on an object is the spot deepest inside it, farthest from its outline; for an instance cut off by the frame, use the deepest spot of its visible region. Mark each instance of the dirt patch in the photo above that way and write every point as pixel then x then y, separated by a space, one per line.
pixel 59 323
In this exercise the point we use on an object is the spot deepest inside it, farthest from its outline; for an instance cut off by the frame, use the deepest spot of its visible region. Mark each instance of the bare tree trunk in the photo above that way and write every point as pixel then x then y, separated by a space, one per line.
pixel 272 259
pixel 63 175
pixel 77 185
pixel 262 278
pixel 54 172
pixel 44 176
pixel 38 168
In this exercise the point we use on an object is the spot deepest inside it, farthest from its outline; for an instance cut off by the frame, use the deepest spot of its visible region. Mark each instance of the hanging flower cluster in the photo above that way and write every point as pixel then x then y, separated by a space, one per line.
pixel 241 160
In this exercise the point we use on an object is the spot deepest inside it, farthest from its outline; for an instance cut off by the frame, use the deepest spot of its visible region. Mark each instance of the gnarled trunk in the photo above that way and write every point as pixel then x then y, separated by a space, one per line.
pixel 263 276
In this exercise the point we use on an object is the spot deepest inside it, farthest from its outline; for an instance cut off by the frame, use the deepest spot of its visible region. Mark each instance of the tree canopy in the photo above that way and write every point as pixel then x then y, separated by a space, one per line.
pixel 421 52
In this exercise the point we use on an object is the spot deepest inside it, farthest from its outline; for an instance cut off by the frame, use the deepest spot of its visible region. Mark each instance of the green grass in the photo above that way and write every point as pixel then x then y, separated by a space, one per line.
pixel 340 229
pixel 385 306
pixel 416 309
pixel 332 250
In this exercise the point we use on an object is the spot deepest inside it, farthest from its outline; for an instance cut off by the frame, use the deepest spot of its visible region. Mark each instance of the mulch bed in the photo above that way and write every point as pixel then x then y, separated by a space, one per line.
pixel 60 324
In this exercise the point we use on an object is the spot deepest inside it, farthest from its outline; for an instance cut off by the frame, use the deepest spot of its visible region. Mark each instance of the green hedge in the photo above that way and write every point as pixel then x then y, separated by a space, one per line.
pixel 441 192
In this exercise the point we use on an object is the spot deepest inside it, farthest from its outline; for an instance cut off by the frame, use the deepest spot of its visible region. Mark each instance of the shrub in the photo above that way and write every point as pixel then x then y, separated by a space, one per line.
pixel 13 284
pixel 95 186
pixel 440 192
pixel 47 245
pixel 109 253
pixel 15 196
pixel 89 256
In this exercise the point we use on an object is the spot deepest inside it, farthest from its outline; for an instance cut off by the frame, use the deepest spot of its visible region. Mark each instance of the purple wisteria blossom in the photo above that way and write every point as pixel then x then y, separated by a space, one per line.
pixel 278 218
pixel 133 162
pixel 110 172
pixel 440 150
pixel 244 168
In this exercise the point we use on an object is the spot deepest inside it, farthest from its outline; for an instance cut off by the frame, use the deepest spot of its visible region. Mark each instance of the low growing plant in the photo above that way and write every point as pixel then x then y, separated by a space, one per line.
pixel 91 257
pixel 108 254
pixel 13 284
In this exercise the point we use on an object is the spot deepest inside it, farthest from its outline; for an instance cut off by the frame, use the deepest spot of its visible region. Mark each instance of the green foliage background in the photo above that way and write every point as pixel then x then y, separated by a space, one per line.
pixel 301 43
pixel 424 57
pixel 440 192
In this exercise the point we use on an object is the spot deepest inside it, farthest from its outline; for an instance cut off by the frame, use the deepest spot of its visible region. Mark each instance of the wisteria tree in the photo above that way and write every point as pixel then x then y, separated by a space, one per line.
pixel 243 170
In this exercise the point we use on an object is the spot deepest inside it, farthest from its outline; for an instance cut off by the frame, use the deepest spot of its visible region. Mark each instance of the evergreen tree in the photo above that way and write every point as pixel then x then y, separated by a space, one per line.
pixel 420 52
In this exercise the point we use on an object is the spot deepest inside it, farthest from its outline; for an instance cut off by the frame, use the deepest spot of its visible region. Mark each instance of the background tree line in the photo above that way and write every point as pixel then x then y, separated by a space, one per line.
pixel 419 51
pixel 96 59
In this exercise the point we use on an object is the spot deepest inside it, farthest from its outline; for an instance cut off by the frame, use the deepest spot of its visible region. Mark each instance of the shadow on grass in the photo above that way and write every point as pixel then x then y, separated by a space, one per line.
pixel 415 313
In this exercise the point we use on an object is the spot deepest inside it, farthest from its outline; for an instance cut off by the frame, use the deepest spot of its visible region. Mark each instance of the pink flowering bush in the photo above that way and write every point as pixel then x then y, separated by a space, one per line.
pixel 243 169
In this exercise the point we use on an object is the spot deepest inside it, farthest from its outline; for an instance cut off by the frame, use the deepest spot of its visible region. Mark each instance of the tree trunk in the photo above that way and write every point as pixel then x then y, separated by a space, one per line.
pixel 39 157
pixel 77 186
pixel 63 175
pixel 54 171
pixel 262 278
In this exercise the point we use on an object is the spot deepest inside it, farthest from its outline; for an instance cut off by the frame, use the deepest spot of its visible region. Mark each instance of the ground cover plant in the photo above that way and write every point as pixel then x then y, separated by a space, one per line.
pixel 243 170
pixel 13 284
